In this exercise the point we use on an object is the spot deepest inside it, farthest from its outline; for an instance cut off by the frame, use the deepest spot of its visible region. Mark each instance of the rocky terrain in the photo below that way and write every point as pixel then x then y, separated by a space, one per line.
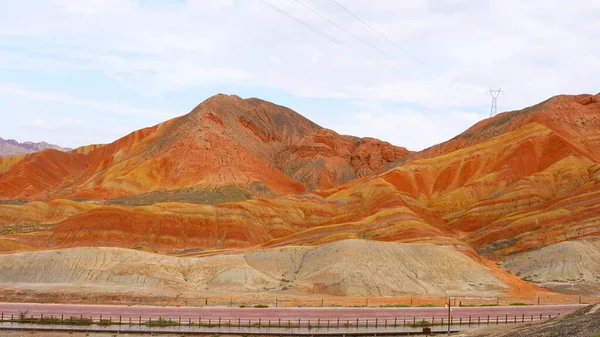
pixel 519 193
pixel 581 323
pixel 12 147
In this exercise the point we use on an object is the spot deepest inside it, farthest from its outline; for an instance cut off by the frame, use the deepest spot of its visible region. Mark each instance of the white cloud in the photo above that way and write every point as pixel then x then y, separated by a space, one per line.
pixel 90 104
pixel 42 123
pixel 533 49
pixel 412 129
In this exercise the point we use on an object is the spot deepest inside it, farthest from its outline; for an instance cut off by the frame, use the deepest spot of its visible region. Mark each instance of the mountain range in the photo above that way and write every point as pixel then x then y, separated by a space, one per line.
pixel 256 191
pixel 12 147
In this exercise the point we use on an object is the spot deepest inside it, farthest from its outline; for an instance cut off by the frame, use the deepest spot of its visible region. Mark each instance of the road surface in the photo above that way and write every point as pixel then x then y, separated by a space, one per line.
pixel 285 314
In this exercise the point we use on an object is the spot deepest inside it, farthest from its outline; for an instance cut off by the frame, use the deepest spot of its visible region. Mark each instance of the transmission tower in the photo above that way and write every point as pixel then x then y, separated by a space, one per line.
pixel 494 94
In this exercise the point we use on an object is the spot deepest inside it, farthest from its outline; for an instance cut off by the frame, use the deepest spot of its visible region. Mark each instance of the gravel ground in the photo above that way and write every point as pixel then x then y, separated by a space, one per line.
pixel 581 323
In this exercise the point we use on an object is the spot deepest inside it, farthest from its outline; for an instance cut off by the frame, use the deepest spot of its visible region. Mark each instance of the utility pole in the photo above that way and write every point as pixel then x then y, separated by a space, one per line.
pixel 449 316
pixel 494 94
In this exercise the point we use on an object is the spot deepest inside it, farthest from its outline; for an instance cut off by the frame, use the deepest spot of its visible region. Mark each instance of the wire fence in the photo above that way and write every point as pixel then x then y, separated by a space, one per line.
pixel 12 295
pixel 416 322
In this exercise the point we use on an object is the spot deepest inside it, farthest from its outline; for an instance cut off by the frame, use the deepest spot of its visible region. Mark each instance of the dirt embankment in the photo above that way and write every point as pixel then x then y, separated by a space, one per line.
pixel 581 323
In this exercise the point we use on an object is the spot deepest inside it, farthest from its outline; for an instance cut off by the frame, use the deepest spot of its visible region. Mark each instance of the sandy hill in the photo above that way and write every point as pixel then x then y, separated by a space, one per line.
pixel 510 185
pixel 352 267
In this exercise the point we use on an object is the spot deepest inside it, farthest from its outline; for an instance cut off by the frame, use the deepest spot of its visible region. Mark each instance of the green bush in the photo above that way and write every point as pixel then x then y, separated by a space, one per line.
pixel 161 322
pixel 260 306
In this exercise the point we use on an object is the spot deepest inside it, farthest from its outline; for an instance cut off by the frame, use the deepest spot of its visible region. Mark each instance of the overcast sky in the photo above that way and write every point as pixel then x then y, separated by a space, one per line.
pixel 75 72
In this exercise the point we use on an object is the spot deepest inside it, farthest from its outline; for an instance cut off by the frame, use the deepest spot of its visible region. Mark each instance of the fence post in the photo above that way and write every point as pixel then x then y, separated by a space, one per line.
pixel 496 320
pixel 357 323
pixel 367 324
pixel 506 319
pixel 385 323
pixel 376 323
pixel 523 318
pixel 119 319
pixel 395 322
pixel 338 324
pixel 515 318
pixel 488 320
pixel 460 321
pixel 327 324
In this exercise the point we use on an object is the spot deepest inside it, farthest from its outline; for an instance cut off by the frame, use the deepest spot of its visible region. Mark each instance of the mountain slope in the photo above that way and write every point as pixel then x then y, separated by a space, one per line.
pixel 511 184
pixel 252 145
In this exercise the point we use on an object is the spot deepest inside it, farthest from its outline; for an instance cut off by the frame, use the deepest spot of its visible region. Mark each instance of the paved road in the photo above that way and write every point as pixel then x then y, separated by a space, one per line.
pixel 284 314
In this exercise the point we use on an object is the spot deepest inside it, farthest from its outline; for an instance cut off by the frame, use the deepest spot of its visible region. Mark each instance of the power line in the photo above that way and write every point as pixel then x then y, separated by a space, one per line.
pixel 341 28
pixel 376 31
pixel 307 25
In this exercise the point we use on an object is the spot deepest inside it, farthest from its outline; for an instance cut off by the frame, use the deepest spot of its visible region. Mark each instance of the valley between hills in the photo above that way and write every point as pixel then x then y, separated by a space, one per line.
pixel 244 198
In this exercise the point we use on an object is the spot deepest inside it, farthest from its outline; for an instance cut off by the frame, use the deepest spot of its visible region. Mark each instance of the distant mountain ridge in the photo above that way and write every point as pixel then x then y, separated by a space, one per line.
pixel 11 147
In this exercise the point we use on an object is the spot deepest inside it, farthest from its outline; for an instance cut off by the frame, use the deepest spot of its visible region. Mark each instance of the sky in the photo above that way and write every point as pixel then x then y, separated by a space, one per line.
pixel 78 72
